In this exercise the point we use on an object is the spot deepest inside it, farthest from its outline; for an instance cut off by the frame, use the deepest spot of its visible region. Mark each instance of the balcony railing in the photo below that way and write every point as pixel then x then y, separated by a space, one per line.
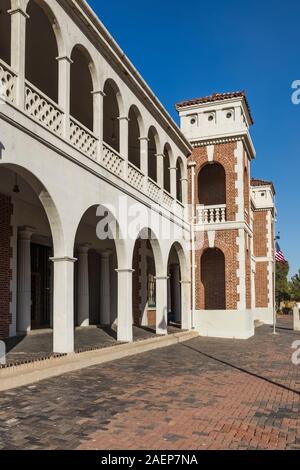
pixel 112 160
pixel 50 115
pixel 154 191
pixel 43 109
pixel 135 177
pixel 212 214
pixel 7 82
pixel 167 199
pixel 82 138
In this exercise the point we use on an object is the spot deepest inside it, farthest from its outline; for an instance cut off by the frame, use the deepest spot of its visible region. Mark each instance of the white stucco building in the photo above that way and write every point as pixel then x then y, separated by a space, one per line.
pixel 86 150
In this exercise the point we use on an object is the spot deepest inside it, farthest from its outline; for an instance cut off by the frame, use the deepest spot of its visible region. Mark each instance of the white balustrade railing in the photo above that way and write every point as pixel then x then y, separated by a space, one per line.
pixel 212 214
pixel 167 199
pixel 43 109
pixel 153 190
pixel 82 138
pixel 112 160
pixel 7 82
pixel 135 177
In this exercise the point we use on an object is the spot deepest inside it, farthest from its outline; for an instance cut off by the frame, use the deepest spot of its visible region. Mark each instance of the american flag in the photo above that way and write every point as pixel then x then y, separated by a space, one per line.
pixel 279 256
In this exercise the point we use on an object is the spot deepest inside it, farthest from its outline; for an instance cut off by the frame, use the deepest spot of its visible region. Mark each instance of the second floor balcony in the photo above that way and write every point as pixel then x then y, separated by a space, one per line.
pixel 64 94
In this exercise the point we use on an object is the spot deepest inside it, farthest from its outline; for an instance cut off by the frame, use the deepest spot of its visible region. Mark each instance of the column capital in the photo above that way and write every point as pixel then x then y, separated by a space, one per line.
pixel 84 248
pixel 162 278
pixel 173 168
pixel 66 58
pixel 105 254
pixel 63 259
pixel 144 138
pixel 26 232
pixel 129 270
pixel 160 155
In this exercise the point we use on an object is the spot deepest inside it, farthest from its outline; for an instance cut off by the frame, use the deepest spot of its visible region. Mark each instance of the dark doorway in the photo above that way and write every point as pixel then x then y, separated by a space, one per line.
pixel 41 278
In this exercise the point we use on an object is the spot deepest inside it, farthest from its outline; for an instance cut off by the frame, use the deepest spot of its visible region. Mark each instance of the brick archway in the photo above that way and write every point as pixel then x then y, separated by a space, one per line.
pixel 213 279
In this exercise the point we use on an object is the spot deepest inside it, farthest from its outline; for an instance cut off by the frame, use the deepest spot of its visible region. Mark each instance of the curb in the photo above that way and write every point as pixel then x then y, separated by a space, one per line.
pixel 26 374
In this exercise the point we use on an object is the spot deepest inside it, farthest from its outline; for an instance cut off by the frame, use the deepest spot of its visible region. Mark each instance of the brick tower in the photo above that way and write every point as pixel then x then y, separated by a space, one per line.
pixel 218 128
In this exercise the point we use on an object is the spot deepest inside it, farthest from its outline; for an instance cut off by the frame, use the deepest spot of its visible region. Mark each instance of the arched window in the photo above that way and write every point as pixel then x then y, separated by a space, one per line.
pixel 212 185
pixel 111 114
pixel 41 68
pixel 5 31
pixel 152 155
pixel 213 279
pixel 167 180
pixel 134 144
pixel 81 87
pixel 179 179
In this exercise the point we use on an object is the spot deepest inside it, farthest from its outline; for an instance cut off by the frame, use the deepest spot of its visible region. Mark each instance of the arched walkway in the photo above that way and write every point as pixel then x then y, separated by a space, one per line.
pixel 152 154
pixel 149 291
pixel 179 287
pixel 111 115
pixel 40 295
pixel 96 280
pixel 134 134
pixel 81 87
pixel 167 165
pixel 41 65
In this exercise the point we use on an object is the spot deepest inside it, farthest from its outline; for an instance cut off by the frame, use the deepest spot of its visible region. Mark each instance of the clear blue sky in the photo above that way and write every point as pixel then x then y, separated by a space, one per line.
pixel 186 49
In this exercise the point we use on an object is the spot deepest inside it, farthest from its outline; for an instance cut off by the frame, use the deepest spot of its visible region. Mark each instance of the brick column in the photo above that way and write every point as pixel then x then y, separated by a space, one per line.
pixel 5 270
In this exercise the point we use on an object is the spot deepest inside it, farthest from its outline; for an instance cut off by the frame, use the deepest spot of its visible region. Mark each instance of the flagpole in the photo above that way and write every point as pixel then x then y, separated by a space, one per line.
pixel 274 309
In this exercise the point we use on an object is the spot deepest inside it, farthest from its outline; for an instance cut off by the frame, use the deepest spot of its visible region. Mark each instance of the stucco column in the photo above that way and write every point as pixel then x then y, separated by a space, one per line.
pixel 176 292
pixel 83 286
pixel 24 279
pixel 124 132
pixel 144 159
pixel 63 305
pixel 184 189
pixel 18 50
pixel 125 304
pixel 64 76
pixel 173 179
pixel 105 313
pixel 98 97
pixel 161 305
pixel 160 169
pixel 186 312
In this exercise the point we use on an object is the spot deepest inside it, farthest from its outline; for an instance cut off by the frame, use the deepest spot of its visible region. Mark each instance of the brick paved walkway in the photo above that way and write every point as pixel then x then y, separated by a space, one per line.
pixel 40 344
pixel 204 394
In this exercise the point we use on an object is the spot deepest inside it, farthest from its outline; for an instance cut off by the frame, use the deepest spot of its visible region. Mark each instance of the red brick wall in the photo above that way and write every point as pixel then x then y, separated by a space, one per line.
pixel 5 270
pixel 260 233
pixel 226 242
pixel 261 285
pixel 224 155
